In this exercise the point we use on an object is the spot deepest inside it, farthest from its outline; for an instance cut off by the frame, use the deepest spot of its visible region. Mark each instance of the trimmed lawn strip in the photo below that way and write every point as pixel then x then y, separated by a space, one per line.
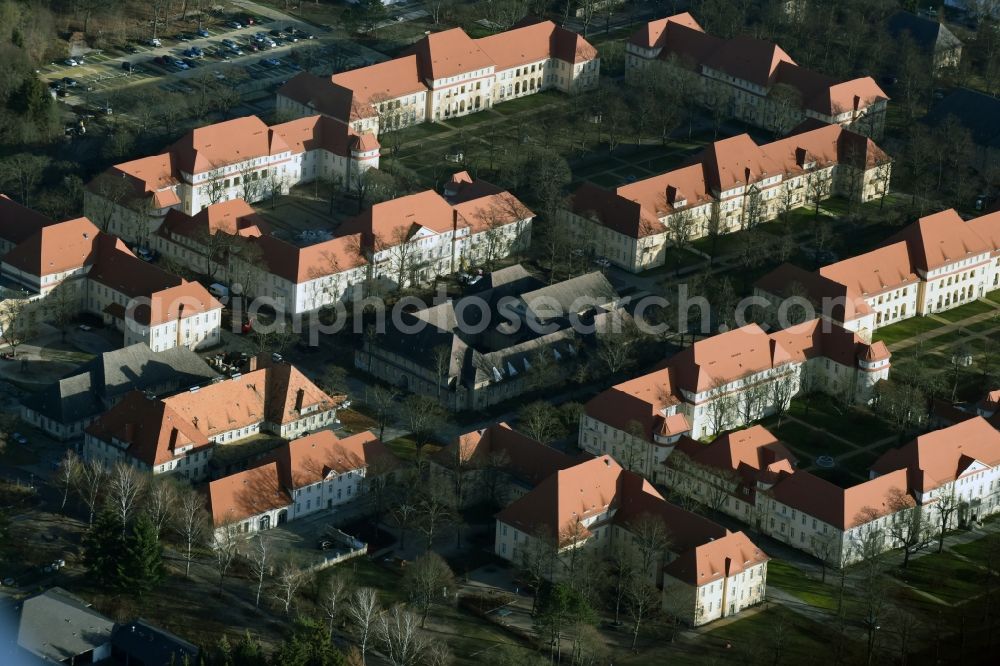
pixel 944 576
pixel 968 310
pixel 852 423
pixel 808 443
pixel 979 550
pixel 907 328
pixel 795 582
pixel 983 326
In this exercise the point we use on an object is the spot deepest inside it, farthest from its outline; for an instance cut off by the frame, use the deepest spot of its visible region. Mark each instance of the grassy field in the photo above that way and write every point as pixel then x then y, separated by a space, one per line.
pixel 906 329
pixel 944 576
pixel 968 310
pixel 794 581
pixel 852 423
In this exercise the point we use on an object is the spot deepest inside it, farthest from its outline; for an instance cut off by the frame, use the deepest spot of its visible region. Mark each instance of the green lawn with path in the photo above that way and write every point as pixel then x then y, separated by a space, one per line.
pixel 794 581
pixel 944 576
pixel 907 328
pixel 968 310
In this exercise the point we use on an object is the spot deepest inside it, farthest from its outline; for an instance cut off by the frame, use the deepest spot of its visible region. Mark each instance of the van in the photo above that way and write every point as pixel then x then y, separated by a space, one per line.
pixel 218 290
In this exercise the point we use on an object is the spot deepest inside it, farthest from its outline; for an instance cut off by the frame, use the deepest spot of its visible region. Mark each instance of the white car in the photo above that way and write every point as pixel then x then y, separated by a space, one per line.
pixel 155 42
pixel 70 62
pixel 602 262
pixel 19 438
pixel 85 327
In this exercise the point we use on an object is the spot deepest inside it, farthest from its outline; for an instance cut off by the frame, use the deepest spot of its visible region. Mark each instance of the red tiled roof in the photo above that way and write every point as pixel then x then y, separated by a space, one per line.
pixel 310 459
pixel 839 507
pixel 18 223
pixel 56 248
pixel 243 495
pixel 150 429
pixel 942 456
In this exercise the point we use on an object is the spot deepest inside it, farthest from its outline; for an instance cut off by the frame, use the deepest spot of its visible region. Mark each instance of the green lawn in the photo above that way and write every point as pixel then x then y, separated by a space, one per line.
pixel 470 120
pixel 529 102
pixel 943 575
pixel 906 329
pixel 805 441
pixel 774 635
pixel 420 132
pixel 852 423
pixel 968 310
pixel 983 326
pixel 981 550
pixel 794 581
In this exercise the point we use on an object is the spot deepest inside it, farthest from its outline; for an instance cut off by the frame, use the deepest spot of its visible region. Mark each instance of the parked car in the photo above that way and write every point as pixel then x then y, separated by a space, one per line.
pixel 69 83
pixel 602 262
pixel 70 62
pixel 145 254
pixel 127 66
pixel 130 48
pixel 203 33
pixel 324 544
pixel 235 25
pixel 277 358
pixel 271 62
pixel 19 438
pixel 190 63
pixel 275 33
pixel 219 75
pixel 185 37
pixel 85 327
pixel 155 42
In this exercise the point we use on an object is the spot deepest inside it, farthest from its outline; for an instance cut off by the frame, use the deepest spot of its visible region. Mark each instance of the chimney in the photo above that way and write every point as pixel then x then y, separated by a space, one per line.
pixel 180 319
pixel 252 363
pixel 299 397
pixel 729 566
pixel 857 104
pixel 800 156
pixel 454 236
pixel 173 438
pixel 671 194
pixel 746 175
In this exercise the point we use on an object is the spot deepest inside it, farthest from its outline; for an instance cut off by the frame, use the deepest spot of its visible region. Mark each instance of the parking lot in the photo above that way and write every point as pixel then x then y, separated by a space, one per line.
pixel 102 71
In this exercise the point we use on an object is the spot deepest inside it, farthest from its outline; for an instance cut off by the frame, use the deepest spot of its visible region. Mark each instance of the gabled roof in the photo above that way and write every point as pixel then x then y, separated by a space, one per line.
pixel 939 239
pixel 383 80
pixel 246 494
pixel 302 264
pixel 311 459
pixel 522 457
pixel 844 303
pixel 57 626
pixel 942 456
pixel 533 41
pixel 232 217
pixel 839 507
pixel 638 401
pixel 95 385
pixel 571 296
pixel 55 248
pixel 325 96
pixel 762 63
pixel 752 449
pixel 116 267
pixel 17 223
pixel 881 269
pixel 449 53
pixel 179 302
pixel 214 146
pixel 150 430
pixel 929 35
pixel 395 221
pixel 729 555
pixel 152 646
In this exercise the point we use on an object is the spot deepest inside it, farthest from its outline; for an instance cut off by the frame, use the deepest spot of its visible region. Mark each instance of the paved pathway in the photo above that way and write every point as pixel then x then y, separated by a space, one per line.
pixel 950 326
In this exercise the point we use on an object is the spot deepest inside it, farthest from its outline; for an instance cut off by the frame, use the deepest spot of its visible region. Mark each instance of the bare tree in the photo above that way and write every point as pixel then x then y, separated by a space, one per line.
pixel 907 527
pixel 721 409
pixel 642 599
pixel 946 506
pixel 651 540
pixel 540 421
pixel 363 611
pixel 260 561
pixel 90 484
pixel 399 637
pixel 382 402
pixel 17 323
pixel 290 578
pixel 190 523
pixel 427 580
pixel 70 468
pixel 160 503
pixel 434 509
pixel 334 596
pixel 536 560
pixel 818 186
pixel 124 491
pixel 826 547
pixel 226 547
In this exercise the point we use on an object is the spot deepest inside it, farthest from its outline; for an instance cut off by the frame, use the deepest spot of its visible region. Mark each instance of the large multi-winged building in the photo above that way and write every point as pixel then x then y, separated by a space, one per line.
pixel 937 263
pixel 726 381
pixel 733 185
pixel 58 270
pixel 753 80
pixel 446 75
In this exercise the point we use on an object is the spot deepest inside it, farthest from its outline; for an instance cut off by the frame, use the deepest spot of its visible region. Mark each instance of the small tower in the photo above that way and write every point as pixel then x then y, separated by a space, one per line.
pixel 873 365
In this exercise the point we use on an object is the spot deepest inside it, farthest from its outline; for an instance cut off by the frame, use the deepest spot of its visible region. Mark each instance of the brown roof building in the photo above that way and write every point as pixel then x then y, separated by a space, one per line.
pixel 597 504
pixel 937 263
pixel 448 74
pixel 156 433
pixel 744 67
